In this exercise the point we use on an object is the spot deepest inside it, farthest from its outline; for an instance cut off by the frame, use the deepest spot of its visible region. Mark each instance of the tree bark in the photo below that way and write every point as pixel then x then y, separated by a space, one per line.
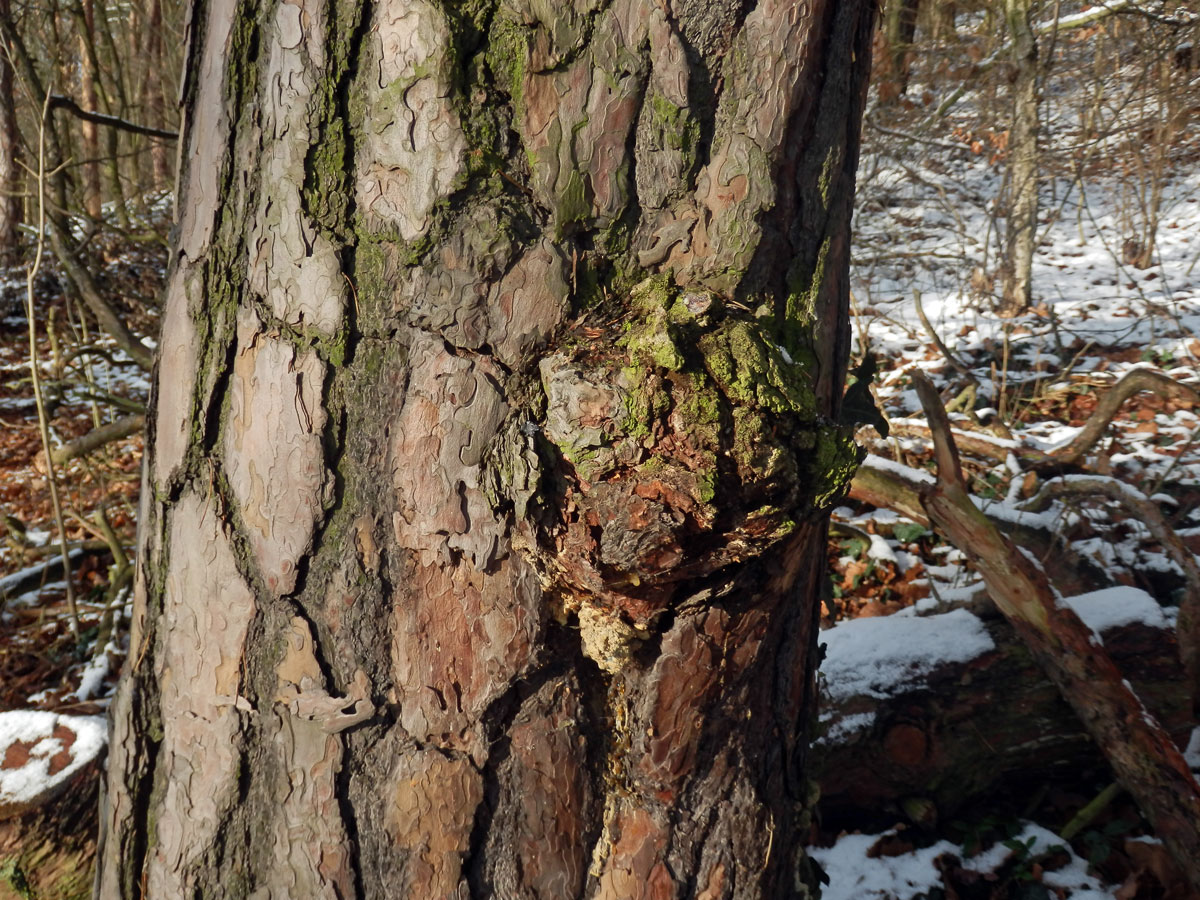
pixel 491 452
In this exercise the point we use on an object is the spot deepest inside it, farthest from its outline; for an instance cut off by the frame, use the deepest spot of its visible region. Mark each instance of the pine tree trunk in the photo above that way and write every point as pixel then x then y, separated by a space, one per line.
pixel 494 435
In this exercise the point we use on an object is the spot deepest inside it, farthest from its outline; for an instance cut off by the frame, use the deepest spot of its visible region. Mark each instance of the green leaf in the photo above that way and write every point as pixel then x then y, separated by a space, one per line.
pixel 907 532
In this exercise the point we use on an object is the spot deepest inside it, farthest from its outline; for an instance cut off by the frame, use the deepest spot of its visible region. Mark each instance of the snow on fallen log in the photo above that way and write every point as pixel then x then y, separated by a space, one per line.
pixel 41 752
pixel 946 707
pixel 876 656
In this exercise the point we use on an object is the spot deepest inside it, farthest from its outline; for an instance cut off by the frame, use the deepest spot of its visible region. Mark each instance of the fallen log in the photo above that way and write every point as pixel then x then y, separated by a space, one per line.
pixel 50 850
pixel 889 485
pixel 49 776
pixel 1142 755
pixel 1072 453
pixel 932 713
pixel 45 571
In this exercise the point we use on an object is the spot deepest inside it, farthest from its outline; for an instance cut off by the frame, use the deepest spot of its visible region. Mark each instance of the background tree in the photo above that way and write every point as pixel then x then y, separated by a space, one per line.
pixel 494 437
pixel 99 141
pixel 1020 233
pixel 11 204
pixel 897 31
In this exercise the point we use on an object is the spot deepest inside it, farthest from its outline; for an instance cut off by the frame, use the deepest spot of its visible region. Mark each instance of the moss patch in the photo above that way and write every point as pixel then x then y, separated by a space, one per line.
pixel 651 336
pixel 687 440
pixel 752 370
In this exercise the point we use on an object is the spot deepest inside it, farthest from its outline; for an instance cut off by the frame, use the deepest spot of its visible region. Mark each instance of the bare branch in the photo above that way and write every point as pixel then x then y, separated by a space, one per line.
pixel 97 438
pixel 57 101
pixel 1142 755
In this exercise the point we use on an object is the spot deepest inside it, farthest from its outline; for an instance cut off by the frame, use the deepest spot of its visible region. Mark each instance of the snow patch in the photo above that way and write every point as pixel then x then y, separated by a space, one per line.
pixel 41 751
pixel 1117 606
pixel 853 875
pixel 879 656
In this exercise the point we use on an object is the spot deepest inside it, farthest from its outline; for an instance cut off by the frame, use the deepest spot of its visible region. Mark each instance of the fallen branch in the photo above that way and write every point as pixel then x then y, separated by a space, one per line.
pixel 1142 755
pixel 1131 383
pixel 888 485
pixel 97 438
pixel 47 570
pixel 1073 452
pixel 979 443
pixel 1140 507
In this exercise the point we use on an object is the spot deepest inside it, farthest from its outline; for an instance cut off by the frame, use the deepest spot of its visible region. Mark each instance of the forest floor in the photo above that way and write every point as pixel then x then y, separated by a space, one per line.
pixel 927 221
pixel 86 383
pixel 925 283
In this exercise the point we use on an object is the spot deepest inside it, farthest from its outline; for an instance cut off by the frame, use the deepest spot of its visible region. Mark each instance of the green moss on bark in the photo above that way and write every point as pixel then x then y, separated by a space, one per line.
pixel 752 369
pixel 507 56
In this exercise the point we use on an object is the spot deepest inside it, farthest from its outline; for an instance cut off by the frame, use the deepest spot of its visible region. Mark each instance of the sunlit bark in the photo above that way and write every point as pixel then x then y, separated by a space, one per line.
pixel 494 435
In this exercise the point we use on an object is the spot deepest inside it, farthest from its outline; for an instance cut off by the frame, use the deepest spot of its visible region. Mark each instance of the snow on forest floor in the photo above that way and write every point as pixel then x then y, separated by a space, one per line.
pixel 87 382
pixel 927 234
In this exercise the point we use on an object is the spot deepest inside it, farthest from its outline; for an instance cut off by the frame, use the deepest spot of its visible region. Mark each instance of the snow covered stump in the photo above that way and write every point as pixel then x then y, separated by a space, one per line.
pixel 41 753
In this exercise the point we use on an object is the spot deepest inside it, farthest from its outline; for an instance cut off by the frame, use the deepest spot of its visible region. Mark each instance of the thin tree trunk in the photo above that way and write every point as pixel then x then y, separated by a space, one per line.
pixel 945 12
pixel 490 453
pixel 92 196
pixel 1021 230
pixel 900 27
pixel 152 97
pixel 11 201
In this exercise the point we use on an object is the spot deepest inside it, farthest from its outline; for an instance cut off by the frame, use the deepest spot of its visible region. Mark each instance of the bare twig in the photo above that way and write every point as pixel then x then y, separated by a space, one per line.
pixel 1079 20
pixel 57 101
pixel 36 376
pixel 936 338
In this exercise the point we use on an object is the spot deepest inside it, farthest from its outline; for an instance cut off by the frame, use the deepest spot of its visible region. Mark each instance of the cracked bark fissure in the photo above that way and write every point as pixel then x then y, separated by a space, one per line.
pixel 490 453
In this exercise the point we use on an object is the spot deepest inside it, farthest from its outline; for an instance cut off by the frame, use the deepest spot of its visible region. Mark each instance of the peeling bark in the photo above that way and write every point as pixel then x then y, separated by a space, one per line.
pixel 494 432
